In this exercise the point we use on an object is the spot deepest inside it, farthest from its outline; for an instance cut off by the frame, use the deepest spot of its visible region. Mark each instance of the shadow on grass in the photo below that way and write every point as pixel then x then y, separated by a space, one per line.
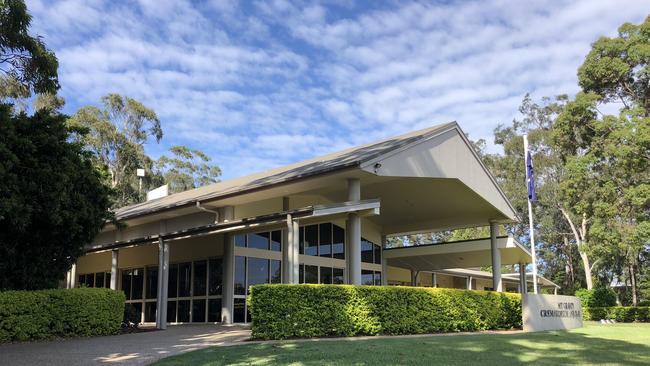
pixel 546 348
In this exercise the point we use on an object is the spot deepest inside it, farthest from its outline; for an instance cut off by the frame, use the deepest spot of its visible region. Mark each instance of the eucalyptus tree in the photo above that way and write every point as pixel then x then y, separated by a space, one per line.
pixel 25 60
pixel 186 169
pixel 117 132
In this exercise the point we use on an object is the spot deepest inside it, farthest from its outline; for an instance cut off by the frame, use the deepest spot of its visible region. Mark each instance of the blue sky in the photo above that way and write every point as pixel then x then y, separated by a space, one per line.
pixel 266 83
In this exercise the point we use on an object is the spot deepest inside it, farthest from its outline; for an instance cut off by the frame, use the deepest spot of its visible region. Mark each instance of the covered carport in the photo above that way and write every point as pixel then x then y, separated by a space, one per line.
pixel 461 254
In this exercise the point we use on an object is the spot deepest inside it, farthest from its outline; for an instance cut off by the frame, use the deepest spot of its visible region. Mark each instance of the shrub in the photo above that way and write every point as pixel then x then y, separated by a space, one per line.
pixel 301 311
pixel 622 314
pixel 31 315
pixel 597 298
pixel 644 303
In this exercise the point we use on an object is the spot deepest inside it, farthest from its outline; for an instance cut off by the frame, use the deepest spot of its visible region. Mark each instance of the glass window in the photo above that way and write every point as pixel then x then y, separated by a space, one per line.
pixel 150 312
pixel 240 240
pixel 301 242
pixel 171 311
pixel 214 310
pixel 152 283
pixel 172 284
pixel 377 278
pixel 338 242
pixel 184 281
pixel 326 275
pixel 126 283
pixel 90 280
pixel 239 311
pixel 258 241
pixel 240 275
pixel 276 240
pixel 311 274
pixel 215 278
pixel 198 311
pixel 367 278
pixel 108 280
pixel 258 271
pixel 311 240
pixel 366 251
pixel 276 271
pixel 137 284
pixel 301 273
pixel 99 279
pixel 137 306
pixel 325 239
pixel 200 278
pixel 377 254
pixel 337 276
pixel 184 311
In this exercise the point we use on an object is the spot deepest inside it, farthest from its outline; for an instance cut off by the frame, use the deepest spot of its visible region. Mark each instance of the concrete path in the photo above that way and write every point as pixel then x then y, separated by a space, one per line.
pixel 127 349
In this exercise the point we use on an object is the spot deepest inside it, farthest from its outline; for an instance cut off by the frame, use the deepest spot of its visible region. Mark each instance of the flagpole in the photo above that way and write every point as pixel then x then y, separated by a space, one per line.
pixel 530 220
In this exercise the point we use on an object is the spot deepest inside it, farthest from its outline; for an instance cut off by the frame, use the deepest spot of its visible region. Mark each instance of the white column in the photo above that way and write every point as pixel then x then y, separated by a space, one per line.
pixel 523 286
pixel 555 291
pixel 228 286
pixel 163 283
pixel 114 268
pixel 497 284
pixel 469 282
pixel 73 276
pixel 67 279
pixel 434 280
pixel 384 263
pixel 296 252
pixel 353 230
pixel 288 252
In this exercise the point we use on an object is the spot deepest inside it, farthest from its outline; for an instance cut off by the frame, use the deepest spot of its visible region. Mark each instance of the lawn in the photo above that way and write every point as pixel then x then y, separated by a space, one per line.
pixel 620 344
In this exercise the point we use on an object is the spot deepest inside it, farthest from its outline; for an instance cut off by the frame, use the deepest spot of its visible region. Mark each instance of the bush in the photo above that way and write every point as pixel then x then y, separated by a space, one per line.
pixel 622 314
pixel 301 311
pixel 597 297
pixel 31 315
pixel 644 303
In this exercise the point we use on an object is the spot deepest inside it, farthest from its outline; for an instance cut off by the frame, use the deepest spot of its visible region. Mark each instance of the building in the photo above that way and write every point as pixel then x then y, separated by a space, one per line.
pixel 190 257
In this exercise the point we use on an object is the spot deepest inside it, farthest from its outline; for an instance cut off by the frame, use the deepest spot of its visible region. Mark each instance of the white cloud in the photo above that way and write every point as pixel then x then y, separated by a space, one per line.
pixel 262 84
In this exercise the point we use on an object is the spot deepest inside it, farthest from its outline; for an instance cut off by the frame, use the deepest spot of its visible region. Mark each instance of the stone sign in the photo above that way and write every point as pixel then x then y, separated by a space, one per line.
pixel 549 312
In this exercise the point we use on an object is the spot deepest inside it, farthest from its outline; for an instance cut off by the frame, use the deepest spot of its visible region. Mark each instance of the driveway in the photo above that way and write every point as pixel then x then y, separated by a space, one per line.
pixel 127 349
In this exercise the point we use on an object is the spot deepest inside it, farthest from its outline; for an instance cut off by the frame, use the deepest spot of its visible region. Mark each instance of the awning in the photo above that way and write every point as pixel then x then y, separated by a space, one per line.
pixel 459 254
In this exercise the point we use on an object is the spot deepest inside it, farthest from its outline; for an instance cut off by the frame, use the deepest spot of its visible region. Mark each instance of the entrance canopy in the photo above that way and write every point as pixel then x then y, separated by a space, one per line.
pixel 459 254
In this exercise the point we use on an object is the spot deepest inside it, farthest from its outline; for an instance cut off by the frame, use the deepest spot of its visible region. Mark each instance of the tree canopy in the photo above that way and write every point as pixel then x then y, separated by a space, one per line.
pixel 52 199
pixel 25 60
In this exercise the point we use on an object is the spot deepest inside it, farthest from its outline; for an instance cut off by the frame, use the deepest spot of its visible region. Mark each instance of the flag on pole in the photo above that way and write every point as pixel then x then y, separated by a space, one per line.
pixel 530 176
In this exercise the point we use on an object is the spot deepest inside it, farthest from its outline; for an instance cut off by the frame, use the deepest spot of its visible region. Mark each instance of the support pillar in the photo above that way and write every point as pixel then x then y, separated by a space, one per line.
pixel 555 291
pixel 434 279
pixel 414 277
pixel 497 284
pixel 288 252
pixel 228 284
pixel 384 263
pixel 114 267
pixel 523 286
pixel 296 252
pixel 163 284
pixel 73 275
pixel 67 279
pixel 469 282
pixel 353 230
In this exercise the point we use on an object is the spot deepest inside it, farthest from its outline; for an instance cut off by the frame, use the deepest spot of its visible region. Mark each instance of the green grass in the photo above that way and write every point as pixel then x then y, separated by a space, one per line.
pixel 620 344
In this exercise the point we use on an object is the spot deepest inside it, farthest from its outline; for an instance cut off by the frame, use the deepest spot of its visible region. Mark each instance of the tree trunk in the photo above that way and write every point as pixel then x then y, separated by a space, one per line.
pixel 580 235
pixel 633 282
pixel 587 265
pixel 569 263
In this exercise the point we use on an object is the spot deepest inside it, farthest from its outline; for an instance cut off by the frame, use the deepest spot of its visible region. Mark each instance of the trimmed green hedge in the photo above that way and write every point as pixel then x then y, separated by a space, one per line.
pixel 302 311
pixel 622 314
pixel 31 315
pixel 598 297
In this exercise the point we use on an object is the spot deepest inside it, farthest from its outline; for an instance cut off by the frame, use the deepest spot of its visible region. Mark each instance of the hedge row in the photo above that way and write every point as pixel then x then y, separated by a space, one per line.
pixel 31 315
pixel 302 311
pixel 622 314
